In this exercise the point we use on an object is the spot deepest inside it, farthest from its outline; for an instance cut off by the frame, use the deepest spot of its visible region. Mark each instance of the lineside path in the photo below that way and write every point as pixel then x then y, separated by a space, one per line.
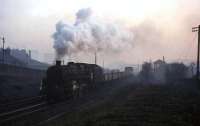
pixel 140 105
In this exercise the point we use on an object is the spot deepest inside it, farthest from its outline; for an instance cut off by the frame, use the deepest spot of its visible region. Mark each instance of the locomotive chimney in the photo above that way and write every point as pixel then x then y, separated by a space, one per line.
pixel 58 63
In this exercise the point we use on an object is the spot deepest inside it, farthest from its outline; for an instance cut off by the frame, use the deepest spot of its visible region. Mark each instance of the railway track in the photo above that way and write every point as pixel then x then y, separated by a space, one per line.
pixel 10 106
pixel 32 114
pixel 12 111
pixel 9 116
pixel 70 108
pixel 42 113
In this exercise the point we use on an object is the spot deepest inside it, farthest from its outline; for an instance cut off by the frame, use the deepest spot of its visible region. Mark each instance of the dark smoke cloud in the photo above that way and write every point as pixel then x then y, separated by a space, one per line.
pixel 88 34
pixel 83 15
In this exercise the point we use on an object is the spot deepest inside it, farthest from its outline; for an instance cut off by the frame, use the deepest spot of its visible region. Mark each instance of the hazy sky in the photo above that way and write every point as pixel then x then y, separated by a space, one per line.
pixel 160 27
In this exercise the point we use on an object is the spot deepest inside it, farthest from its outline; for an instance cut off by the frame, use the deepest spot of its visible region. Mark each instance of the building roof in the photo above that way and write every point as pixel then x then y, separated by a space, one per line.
pixel 159 62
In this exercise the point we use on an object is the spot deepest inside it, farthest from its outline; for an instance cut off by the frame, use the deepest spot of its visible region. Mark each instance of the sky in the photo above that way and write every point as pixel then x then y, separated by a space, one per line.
pixel 159 27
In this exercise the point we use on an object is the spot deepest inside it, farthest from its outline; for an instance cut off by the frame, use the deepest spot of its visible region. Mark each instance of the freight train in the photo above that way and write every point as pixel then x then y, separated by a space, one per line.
pixel 71 80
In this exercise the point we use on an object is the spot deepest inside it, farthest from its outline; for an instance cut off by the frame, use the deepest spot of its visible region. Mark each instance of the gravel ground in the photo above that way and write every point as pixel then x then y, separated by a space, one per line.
pixel 140 105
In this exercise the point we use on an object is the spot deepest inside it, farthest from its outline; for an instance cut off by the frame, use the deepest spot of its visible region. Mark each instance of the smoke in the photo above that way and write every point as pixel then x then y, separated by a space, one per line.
pixel 88 34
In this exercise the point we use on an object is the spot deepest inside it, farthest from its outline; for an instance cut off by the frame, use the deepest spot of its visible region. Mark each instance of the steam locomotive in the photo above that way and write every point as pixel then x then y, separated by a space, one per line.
pixel 71 80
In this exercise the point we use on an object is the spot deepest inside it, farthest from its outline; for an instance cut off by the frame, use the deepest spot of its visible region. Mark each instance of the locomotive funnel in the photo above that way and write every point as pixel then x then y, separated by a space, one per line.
pixel 58 63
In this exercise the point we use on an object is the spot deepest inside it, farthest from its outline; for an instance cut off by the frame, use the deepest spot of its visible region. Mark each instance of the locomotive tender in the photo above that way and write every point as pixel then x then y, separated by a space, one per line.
pixel 71 80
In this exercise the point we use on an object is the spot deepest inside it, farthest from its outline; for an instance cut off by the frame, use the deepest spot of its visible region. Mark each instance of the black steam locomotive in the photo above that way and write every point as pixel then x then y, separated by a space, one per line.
pixel 67 81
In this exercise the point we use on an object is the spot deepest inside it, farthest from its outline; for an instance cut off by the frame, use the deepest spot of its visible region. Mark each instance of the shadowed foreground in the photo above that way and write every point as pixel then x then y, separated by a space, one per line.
pixel 143 105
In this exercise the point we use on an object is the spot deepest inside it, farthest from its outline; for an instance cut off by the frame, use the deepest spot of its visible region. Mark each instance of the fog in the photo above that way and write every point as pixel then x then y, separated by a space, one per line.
pixel 164 31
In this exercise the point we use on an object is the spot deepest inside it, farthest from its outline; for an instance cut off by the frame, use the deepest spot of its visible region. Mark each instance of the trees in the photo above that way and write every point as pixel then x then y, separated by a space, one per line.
pixel 146 74
pixel 175 71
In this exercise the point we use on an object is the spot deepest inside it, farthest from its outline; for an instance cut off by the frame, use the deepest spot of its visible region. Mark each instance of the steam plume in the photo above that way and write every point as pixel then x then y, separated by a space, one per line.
pixel 88 34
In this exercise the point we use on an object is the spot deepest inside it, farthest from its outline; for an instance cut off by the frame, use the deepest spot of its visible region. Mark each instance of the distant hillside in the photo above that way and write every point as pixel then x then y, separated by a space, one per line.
pixel 37 65
pixel 21 58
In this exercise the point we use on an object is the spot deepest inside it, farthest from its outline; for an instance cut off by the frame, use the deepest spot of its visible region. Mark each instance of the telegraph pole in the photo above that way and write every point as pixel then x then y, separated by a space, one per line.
pixel 103 63
pixel 3 59
pixel 197 29
pixel 95 57
pixel 3 50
